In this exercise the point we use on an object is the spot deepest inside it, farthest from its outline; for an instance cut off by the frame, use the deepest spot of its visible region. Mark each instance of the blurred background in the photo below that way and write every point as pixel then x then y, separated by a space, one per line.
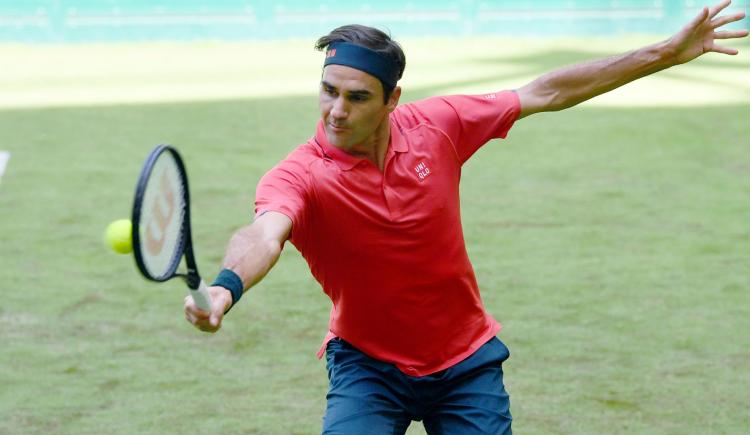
pixel 142 20
pixel 66 52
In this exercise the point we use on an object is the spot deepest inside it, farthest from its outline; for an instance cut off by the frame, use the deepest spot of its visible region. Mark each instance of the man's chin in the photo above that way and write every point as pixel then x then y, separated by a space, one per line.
pixel 335 140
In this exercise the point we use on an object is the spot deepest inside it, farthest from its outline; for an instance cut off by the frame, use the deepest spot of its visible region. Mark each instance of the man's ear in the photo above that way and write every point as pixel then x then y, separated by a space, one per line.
pixel 393 99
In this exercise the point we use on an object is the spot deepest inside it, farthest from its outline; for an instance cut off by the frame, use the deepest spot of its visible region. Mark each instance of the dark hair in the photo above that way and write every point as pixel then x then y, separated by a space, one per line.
pixel 371 38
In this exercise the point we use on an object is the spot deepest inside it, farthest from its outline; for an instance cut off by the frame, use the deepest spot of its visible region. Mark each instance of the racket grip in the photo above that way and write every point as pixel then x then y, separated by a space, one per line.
pixel 201 297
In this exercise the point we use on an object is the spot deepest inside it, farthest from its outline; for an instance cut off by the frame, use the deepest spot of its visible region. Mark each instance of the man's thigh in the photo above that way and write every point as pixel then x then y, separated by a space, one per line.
pixel 475 401
pixel 362 397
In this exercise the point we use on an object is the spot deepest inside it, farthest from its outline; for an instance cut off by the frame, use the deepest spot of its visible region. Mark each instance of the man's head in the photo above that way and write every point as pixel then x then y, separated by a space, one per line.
pixel 358 87
pixel 373 40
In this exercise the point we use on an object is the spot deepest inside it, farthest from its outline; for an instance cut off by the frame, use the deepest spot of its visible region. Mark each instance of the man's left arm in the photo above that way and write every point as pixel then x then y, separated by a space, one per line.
pixel 574 84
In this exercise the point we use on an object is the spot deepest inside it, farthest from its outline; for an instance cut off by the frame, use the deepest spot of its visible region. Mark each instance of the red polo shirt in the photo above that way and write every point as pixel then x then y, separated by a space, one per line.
pixel 387 247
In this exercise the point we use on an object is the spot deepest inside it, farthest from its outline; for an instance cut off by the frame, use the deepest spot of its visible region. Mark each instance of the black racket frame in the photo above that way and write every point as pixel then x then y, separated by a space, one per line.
pixel 192 277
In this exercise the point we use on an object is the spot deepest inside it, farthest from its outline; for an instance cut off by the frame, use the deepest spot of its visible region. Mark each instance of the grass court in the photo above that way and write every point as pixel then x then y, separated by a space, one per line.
pixel 611 240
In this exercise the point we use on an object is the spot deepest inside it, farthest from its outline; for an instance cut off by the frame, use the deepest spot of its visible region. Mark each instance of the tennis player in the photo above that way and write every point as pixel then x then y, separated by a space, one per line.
pixel 372 203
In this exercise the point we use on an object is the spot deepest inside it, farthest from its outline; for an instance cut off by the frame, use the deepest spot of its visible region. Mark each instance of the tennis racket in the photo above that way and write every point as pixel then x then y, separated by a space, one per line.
pixel 161 223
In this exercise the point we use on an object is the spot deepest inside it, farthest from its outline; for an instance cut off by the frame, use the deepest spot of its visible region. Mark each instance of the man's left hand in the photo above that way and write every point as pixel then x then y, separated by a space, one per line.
pixel 701 34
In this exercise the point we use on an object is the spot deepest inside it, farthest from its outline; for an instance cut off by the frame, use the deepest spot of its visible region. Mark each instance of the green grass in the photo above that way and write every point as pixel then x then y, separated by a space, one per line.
pixel 611 242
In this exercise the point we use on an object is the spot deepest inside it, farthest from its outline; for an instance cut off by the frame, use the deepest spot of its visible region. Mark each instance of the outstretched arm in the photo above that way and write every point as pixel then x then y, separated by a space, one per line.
pixel 574 84
pixel 252 252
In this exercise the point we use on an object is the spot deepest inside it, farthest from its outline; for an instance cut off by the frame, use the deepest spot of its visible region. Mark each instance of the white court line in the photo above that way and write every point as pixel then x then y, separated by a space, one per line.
pixel 4 157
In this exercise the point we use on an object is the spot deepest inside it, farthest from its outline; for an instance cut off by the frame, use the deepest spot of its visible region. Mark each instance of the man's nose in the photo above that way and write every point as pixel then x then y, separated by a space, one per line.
pixel 339 109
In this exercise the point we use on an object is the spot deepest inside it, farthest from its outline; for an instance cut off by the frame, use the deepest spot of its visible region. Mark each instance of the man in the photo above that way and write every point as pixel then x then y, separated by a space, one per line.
pixel 371 202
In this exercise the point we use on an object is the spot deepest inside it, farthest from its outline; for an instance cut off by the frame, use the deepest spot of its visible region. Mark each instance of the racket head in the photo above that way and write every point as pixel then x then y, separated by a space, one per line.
pixel 160 217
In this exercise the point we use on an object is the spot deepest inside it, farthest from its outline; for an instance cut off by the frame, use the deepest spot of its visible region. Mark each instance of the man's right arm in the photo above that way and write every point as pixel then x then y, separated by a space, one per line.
pixel 252 252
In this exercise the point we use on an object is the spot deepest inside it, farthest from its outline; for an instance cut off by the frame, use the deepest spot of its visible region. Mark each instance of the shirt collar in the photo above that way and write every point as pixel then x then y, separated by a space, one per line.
pixel 347 161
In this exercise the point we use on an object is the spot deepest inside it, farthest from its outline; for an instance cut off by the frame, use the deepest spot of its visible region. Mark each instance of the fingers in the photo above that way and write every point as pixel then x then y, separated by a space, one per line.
pixel 202 320
pixel 730 34
pixel 719 7
pixel 699 19
pixel 727 19
pixel 724 50
pixel 726 34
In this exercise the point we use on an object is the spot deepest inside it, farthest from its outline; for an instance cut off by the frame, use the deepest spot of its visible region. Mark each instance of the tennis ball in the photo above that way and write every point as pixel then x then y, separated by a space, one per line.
pixel 119 236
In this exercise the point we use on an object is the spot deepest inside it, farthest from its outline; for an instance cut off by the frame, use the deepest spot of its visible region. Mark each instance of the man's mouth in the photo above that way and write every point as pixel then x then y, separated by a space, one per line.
pixel 337 128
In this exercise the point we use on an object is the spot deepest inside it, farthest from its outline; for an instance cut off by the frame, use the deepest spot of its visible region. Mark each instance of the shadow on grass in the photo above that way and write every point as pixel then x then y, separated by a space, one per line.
pixel 526 67
pixel 74 170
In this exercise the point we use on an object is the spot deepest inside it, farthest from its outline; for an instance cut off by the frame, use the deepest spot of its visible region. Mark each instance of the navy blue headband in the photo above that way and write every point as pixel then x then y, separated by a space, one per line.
pixel 363 59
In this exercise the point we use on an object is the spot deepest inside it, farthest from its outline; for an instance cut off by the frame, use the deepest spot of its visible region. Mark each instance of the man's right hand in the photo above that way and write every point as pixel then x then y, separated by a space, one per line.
pixel 252 251
pixel 221 300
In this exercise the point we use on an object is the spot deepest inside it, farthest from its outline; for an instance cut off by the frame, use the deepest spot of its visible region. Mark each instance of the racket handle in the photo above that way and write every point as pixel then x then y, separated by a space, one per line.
pixel 201 297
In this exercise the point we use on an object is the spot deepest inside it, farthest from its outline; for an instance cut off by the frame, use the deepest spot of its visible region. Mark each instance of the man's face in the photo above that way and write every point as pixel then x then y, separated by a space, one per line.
pixel 351 105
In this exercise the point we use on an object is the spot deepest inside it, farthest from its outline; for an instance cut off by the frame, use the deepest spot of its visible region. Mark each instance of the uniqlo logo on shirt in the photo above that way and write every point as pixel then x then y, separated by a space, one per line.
pixel 422 170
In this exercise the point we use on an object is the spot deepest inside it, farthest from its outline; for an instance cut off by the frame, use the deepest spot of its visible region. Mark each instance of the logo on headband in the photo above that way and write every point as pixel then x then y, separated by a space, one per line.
pixel 331 53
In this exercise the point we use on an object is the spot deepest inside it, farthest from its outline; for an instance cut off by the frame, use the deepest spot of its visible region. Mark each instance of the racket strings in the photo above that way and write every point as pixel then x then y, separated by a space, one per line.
pixel 162 218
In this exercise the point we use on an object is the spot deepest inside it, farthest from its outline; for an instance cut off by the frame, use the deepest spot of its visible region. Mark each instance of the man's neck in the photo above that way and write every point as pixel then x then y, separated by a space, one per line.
pixel 375 147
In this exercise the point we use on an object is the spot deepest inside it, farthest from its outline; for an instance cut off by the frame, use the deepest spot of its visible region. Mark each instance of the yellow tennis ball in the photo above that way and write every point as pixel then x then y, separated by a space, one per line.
pixel 119 236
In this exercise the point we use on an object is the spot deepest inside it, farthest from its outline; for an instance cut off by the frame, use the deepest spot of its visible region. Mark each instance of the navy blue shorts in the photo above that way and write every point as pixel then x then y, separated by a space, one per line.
pixel 367 396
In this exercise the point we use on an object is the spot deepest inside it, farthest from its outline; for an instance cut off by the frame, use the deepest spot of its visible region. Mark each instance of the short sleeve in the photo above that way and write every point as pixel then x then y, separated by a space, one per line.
pixel 470 121
pixel 284 189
